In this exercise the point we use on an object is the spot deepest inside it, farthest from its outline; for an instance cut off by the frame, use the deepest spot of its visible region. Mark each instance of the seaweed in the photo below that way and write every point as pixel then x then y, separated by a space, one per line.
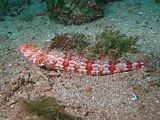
pixel 46 108
pixel 67 41
pixel 74 11
pixel 157 1
pixel 4 7
pixel 12 7
pixel 80 42
pixel 114 44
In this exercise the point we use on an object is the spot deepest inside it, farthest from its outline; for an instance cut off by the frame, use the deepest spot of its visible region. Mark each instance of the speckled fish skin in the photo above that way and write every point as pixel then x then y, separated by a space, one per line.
pixel 61 61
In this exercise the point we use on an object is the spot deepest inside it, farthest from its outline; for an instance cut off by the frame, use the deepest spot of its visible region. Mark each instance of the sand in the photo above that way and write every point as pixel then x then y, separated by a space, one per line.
pixel 132 95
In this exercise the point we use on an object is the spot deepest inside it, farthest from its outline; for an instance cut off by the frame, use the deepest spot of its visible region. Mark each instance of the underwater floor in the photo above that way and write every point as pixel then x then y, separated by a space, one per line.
pixel 130 95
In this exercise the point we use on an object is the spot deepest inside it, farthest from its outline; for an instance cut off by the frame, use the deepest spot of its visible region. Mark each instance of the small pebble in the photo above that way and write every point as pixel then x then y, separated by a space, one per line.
pixel 134 97
pixel 88 89
pixel 140 13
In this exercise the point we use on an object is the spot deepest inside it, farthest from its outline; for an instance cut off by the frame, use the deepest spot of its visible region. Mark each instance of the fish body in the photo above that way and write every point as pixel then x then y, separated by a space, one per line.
pixel 61 61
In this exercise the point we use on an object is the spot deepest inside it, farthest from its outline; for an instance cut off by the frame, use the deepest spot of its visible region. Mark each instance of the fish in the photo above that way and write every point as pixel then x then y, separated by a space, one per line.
pixel 61 61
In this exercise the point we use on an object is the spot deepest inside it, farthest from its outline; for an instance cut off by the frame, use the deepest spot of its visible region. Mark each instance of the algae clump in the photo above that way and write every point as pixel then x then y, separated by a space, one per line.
pixel 114 44
pixel 74 11
pixel 68 41
pixel 46 108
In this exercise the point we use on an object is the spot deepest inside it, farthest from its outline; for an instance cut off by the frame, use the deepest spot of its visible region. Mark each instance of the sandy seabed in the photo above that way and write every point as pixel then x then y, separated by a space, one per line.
pixel 132 95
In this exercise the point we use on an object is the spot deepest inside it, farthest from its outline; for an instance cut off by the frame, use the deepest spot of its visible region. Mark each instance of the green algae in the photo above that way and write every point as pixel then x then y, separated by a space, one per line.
pixel 157 1
pixel 113 44
pixel 67 41
pixel 46 108
pixel 74 11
